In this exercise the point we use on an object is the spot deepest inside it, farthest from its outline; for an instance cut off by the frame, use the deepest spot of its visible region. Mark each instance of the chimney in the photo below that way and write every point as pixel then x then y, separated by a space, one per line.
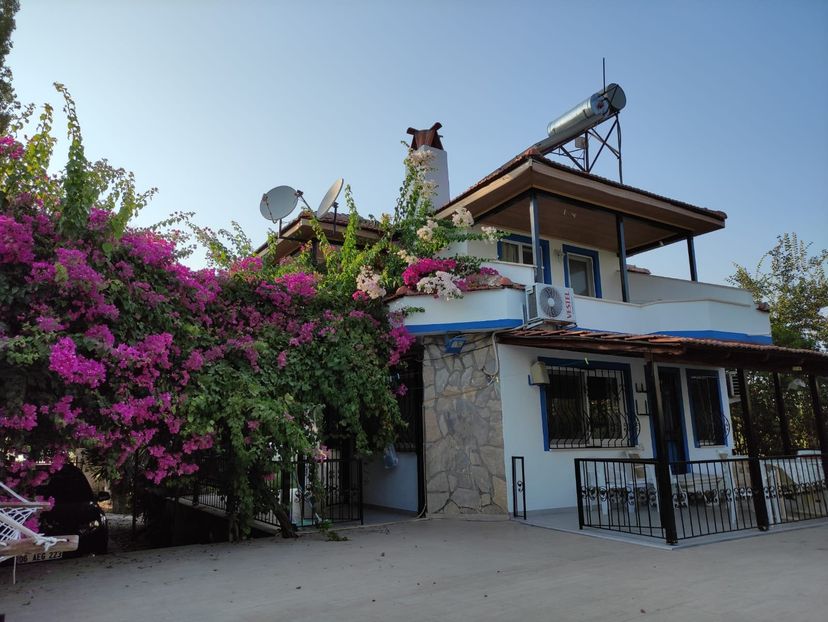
pixel 429 141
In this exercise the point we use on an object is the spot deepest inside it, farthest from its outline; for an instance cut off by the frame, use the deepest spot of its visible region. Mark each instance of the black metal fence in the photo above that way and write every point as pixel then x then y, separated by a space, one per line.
pixel 518 488
pixel 704 497
pixel 311 493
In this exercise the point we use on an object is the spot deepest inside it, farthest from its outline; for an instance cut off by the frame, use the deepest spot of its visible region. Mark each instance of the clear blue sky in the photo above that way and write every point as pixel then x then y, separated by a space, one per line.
pixel 216 102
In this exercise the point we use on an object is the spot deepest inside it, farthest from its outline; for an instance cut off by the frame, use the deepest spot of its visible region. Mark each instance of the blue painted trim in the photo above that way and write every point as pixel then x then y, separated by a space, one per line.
pixel 710 373
pixel 682 415
pixel 545 257
pixel 452 327
pixel 596 265
pixel 586 364
pixel 699 334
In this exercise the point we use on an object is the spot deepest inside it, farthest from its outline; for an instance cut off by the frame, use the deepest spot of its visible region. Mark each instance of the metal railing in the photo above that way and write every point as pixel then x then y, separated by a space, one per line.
pixel 310 493
pixel 700 497
pixel 619 495
pixel 518 488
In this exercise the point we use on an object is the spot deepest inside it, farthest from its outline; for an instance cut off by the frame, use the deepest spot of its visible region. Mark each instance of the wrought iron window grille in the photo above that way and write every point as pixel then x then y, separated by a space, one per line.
pixel 589 408
pixel 710 425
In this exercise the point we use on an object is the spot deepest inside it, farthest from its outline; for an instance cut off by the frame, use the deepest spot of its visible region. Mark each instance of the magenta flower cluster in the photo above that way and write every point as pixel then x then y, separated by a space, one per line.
pixel 422 267
pixel 16 243
pixel 10 148
pixel 132 336
pixel 74 368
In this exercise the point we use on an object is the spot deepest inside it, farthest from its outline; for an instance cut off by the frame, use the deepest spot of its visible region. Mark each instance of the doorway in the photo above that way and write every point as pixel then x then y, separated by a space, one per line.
pixel 394 482
pixel 672 403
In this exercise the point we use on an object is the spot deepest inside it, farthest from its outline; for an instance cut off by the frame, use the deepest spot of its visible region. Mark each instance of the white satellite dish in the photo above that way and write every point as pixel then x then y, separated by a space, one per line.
pixel 329 200
pixel 278 203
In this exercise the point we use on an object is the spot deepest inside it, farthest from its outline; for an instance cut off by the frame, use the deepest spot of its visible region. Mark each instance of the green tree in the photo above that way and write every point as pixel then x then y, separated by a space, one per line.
pixel 8 9
pixel 795 286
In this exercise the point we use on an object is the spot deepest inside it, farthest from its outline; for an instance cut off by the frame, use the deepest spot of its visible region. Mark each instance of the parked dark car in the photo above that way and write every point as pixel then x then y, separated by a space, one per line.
pixel 75 511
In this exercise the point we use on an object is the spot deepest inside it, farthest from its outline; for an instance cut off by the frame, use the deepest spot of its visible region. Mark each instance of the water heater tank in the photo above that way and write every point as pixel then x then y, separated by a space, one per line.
pixel 582 117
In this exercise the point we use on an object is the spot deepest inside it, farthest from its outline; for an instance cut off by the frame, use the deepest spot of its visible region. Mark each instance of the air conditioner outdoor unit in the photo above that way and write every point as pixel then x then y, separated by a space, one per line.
pixel 546 303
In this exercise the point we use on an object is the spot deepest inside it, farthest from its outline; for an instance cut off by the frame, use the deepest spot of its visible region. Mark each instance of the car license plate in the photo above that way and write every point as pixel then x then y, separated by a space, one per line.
pixel 39 557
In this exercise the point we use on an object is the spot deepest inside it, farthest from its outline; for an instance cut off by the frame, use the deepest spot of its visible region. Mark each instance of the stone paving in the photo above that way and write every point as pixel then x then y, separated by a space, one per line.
pixel 441 569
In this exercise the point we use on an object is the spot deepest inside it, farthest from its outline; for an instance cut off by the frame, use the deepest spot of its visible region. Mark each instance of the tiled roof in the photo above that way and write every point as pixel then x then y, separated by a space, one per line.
pixel 505 284
pixel 365 224
pixel 716 352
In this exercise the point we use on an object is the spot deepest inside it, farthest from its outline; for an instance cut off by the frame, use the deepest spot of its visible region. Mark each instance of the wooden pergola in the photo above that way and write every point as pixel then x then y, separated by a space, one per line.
pixel 665 349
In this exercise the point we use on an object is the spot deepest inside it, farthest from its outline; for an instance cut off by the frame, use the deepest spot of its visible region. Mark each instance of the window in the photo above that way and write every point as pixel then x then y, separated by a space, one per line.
pixel 516 252
pixel 581 271
pixel 588 408
pixel 580 275
pixel 709 424
pixel 518 249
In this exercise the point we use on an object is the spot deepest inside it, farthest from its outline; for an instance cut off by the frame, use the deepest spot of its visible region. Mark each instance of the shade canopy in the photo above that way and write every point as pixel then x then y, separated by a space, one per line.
pixel 580 207
pixel 676 350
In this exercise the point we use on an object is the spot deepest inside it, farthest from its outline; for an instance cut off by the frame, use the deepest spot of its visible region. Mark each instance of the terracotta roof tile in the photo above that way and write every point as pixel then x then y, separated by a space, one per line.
pixel 729 353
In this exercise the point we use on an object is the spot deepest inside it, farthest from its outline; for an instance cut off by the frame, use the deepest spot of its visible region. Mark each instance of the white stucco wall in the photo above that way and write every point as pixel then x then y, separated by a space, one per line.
pixel 649 288
pixel 481 306
pixel 671 316
pixel 550 475
pixel 472 312
pixel 391 488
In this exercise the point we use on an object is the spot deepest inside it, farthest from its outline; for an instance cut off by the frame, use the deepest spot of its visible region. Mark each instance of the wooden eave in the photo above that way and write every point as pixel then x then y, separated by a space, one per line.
pixel 675 350
pixel 581 208
pixel 301 232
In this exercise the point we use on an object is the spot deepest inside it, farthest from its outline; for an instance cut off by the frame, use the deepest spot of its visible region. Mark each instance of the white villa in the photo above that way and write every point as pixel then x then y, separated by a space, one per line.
pixel 608 392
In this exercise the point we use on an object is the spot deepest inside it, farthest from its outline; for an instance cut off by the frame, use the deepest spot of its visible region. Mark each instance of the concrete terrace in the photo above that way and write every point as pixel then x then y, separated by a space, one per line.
pixel 435 570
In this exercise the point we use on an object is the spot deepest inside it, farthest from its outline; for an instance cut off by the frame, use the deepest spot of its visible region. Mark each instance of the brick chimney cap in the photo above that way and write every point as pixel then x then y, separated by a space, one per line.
pixel 427 138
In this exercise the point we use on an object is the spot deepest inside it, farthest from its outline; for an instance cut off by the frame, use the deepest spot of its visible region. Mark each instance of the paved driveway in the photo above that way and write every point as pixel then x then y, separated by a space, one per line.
pixel 436 570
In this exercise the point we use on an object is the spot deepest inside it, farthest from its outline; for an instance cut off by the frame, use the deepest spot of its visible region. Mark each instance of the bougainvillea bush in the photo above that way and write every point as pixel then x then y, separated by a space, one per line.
pixel 112 347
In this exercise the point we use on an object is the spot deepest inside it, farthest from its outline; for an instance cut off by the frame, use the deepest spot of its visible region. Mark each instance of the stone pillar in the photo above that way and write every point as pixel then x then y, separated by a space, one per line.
pixel 463 430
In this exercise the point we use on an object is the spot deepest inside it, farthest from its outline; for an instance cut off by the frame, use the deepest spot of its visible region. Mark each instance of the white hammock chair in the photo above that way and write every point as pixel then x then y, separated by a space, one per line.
pixel 17 539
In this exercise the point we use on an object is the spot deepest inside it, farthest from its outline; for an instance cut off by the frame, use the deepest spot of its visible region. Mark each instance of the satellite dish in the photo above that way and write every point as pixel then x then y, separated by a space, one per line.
pixel 329 199
pixel 278 203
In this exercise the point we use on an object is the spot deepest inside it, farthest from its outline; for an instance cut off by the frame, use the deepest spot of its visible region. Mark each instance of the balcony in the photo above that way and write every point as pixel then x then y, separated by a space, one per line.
pixel 676 307
pixel 658 305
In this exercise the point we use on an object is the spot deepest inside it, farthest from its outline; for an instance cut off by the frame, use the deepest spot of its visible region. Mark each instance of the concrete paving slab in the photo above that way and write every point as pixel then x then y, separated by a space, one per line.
pixel 435 570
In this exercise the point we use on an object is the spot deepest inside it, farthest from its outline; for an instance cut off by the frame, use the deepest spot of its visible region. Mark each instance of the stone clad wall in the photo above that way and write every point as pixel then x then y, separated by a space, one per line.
pixel 463 430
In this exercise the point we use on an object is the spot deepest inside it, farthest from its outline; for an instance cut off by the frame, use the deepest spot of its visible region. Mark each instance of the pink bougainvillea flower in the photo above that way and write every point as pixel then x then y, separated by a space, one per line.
pixel 74 368
pixel 49 324
pixel 16 242
pixel 415 272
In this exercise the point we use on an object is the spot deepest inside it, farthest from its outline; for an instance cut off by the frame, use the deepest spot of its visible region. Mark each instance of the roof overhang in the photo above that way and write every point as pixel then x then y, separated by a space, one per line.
pixel 299 232
pixel 677 350
pixel 580 207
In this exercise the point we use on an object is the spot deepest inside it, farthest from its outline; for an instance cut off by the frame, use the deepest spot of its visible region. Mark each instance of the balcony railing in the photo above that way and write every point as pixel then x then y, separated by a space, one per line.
pixel 706 497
